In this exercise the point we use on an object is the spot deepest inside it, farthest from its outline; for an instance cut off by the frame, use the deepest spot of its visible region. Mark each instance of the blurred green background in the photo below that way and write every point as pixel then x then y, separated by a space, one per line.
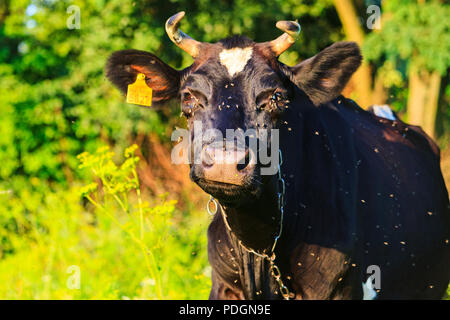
pixel 146 239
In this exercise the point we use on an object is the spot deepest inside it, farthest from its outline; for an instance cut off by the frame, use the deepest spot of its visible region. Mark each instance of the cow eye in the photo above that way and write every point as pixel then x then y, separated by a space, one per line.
pixel 263 99
pixel 189 103
pixel 270 100
pixel 278 100
pixel 187 97
pixel 276 96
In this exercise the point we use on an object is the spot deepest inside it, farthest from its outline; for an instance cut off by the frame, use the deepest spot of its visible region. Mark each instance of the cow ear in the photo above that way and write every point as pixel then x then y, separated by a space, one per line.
pixel 123 67
pixel 324 76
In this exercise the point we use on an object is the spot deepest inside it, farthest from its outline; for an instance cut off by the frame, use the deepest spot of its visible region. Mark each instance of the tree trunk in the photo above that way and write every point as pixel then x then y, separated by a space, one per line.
pixel 362 77
pixel 431 106
pixel 4 10
pixel 423 98
pixel 379 94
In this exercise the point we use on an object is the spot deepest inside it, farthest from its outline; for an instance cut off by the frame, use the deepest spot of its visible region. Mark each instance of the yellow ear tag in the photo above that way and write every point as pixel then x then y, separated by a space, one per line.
pixel 139 92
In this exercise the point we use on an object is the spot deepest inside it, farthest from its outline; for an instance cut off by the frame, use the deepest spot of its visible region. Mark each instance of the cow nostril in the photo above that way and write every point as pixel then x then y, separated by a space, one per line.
pixel 207 164
pixel 227 166
pixel 207 158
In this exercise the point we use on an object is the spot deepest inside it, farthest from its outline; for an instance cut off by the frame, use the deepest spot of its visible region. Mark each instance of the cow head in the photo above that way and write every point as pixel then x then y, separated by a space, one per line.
pixel 238 85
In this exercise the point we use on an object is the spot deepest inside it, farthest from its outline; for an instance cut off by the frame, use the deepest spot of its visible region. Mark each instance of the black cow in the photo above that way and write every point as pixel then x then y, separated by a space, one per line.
pixel 363 194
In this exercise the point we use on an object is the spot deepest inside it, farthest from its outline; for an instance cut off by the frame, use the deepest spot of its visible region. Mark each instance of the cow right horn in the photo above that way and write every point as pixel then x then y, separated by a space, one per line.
pixel 178 37
pixel 282 43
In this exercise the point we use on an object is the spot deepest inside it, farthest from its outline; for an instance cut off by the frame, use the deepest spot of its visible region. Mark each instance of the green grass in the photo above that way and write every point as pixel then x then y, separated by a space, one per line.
pixel 124 245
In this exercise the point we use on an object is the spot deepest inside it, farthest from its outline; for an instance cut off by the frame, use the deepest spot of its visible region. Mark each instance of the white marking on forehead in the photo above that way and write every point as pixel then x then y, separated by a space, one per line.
pixel 235 59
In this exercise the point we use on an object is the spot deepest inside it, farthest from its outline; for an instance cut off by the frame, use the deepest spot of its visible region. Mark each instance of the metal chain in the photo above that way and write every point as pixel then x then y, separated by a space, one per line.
pixel 208 205
pixel 274 270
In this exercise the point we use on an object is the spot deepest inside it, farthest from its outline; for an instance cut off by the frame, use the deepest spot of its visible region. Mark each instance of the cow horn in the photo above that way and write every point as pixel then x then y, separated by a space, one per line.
pixel 178 37
pixel 282 43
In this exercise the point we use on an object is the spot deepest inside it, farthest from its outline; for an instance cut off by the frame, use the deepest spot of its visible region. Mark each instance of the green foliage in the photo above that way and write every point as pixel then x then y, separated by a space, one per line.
pixel 117 183
pixel 418 31
pixel 125 247
pixel 412 33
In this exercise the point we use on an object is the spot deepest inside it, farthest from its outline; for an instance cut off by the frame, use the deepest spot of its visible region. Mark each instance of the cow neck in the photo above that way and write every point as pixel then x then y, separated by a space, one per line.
pixel 266 221
pixel 255 224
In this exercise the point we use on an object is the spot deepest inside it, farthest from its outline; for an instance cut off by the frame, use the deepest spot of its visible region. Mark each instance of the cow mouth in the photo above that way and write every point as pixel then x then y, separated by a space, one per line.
pixel 230 194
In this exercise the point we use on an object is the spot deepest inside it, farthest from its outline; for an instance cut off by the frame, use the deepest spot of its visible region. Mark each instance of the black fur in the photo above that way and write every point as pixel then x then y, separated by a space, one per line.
pixel 236 41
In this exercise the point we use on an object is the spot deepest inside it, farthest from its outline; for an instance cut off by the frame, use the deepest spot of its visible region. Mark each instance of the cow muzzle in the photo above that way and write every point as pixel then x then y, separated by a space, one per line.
pixel 227 166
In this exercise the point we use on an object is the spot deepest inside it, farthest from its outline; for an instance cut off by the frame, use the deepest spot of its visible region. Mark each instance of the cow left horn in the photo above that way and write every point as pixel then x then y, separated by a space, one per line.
pixel 178 37
pixel 282 43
